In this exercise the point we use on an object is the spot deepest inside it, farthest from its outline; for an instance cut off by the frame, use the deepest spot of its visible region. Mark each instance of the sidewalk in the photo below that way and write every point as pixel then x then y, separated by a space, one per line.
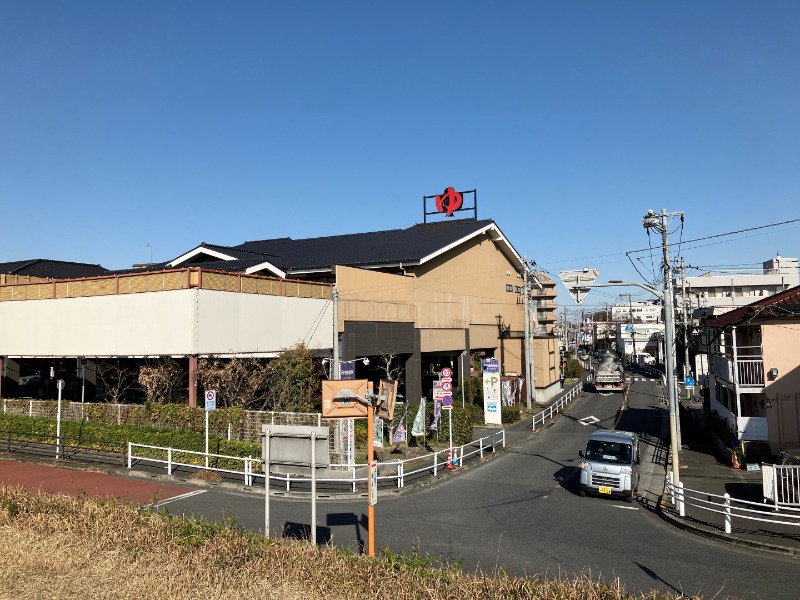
pixel 702 469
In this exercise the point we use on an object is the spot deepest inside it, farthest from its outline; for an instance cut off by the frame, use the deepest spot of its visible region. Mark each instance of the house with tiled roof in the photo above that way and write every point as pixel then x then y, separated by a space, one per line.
pixel 39 269
pixel 754 369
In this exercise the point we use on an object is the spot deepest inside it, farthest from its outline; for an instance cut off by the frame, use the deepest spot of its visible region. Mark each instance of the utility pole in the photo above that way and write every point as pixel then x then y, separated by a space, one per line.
pixel 527 310
pixel 686 367
pixel 659 223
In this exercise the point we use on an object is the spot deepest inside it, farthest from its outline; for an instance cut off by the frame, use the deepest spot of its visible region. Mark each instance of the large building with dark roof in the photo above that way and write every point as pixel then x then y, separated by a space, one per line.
pixel 433 295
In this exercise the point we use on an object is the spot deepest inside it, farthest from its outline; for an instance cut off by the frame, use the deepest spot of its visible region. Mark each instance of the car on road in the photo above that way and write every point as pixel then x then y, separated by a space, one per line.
pixel 643 359
pixel 610 465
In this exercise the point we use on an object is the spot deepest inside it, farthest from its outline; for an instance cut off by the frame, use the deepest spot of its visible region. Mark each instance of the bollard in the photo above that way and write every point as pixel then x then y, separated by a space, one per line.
pixel 169 461
pixel 727 513
pixel 681 502
pixel 480 441
pixel 435 461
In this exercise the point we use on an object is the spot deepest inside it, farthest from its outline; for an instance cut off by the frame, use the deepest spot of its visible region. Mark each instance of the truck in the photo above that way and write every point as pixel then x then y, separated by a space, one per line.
pixel 609 375
pixel 610 464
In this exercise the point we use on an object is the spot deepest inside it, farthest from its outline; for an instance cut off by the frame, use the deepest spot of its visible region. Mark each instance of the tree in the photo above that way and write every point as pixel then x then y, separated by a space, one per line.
pixel 118 379
pixel 390 368
pixel 294 382
pixel 160 379
pixel 241 382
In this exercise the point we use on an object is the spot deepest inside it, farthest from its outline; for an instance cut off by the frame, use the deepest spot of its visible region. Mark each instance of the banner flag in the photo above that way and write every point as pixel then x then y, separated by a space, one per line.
pixel 418 426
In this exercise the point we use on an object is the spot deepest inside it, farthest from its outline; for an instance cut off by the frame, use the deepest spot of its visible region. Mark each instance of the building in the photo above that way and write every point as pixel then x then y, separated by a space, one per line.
pixel 710 295
pixel 432 295
pixel 638 312
pixel 754 369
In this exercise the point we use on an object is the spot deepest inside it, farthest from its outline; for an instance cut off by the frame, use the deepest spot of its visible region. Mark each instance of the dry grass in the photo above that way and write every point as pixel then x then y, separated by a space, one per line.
pixel 59 547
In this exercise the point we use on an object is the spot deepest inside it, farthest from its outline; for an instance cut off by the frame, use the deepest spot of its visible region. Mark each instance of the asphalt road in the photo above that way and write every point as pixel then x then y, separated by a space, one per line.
pixel 521 512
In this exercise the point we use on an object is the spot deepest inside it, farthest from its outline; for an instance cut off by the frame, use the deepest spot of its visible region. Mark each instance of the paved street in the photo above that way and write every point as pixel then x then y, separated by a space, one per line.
pixel 521 512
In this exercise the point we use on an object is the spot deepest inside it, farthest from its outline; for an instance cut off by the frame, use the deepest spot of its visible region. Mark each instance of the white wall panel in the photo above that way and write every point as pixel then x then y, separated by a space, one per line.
pixel 163 323
pixel 253 323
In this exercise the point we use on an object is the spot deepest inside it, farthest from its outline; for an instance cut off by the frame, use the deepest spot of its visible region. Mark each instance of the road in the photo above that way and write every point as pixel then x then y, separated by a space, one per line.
pixel 521 511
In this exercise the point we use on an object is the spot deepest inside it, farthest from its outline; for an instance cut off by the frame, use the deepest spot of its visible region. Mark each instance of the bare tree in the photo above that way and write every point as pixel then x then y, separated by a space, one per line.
pixel 118 378
pixel 241 382
pixel 392 369
pixel 160 379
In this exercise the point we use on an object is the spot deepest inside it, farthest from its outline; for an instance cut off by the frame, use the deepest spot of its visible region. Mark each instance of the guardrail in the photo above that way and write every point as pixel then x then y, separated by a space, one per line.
pixel 781 484
pixel 729 508
pixel 550 411
pixel 397 471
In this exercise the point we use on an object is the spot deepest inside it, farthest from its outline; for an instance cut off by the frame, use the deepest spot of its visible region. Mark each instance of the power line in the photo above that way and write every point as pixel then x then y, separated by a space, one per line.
pixel 718 235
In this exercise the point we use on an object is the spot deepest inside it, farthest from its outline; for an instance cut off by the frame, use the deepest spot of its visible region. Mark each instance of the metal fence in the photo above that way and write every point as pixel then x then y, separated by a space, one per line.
pixel 781 484
pixel 337 476
pixel 728 508
pixel 557 406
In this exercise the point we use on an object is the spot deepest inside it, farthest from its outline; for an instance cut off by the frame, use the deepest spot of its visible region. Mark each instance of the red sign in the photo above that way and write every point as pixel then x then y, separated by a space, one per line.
pixel 449 202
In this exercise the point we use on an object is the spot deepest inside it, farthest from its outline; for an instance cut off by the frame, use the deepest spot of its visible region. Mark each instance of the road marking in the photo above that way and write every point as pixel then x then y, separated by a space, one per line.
pixel 174 498
pixel 625 507
pixel 590 420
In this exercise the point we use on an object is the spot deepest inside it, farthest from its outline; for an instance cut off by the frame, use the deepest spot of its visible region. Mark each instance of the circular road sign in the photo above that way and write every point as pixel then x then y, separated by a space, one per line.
pixel 447 387
pixel 447 372
pixel 211 395
pixel 689 381
pixel 447 401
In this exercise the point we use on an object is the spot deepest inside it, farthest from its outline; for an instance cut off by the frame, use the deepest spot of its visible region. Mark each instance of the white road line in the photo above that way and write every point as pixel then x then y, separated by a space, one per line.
pixel 174 498
pixel 625 507
pixel 590 420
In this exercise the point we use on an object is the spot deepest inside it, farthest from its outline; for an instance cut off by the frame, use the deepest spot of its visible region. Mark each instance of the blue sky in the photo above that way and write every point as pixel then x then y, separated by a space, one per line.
pixel 132 130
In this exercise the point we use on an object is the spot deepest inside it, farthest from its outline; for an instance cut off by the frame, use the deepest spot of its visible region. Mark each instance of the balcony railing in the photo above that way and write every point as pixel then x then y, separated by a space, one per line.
pixel 749 368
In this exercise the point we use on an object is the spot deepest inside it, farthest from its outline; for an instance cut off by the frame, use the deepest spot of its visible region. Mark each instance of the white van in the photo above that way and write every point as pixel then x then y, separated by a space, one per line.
pixel 610 465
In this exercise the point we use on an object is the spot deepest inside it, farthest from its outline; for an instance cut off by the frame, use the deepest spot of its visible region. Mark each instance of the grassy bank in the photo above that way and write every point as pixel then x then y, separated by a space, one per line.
pixel 60 547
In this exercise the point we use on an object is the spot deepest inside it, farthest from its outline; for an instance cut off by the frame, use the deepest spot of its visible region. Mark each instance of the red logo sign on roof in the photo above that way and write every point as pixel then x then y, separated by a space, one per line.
pixel 449 201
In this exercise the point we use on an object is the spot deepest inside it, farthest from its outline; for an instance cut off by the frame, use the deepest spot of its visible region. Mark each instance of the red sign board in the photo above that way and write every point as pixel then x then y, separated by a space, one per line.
pixel 449 201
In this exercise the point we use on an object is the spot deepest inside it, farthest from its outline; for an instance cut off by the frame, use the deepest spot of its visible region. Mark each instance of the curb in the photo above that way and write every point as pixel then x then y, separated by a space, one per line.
pixel 732 540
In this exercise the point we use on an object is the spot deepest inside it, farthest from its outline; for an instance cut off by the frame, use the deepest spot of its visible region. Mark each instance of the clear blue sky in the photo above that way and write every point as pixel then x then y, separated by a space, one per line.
pixel 131 128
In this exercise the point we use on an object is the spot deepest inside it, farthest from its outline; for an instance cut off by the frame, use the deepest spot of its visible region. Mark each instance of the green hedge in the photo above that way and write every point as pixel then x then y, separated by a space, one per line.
pixel 105 437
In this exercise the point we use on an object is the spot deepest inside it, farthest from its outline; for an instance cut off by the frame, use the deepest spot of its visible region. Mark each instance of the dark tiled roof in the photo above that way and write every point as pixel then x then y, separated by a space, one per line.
pixel 53 269
pixel 360 249
pixel 785 304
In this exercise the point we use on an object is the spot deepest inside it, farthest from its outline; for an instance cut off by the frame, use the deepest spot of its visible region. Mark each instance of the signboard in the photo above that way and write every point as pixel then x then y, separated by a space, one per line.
pixel 290 448
pixel 579 282
pixel 373 482
pixel 347 370
pixel 491 391
pixel 447 388
pixel 628 328
pixel 689 382
pixel 211 400
pixel 339 399
pixel 388 392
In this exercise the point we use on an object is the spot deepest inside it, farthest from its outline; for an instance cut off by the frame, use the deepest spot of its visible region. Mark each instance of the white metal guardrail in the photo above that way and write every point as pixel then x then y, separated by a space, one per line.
pixel 349 475
pixel 557 406
pixel 781 485
pixel 729 508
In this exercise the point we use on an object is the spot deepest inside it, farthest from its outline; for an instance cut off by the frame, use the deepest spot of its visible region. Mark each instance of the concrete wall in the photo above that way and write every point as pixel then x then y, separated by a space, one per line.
pixel 178 322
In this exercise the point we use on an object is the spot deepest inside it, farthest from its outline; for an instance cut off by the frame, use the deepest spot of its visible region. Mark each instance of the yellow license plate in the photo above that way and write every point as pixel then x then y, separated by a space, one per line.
pixel 604 489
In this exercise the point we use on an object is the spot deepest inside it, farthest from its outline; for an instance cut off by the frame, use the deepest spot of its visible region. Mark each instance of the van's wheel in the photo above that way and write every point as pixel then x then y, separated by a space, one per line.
pixel 582 494
pixel 629 499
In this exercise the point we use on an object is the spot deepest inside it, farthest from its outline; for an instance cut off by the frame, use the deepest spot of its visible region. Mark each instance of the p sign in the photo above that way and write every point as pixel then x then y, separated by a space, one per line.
pixel 211 400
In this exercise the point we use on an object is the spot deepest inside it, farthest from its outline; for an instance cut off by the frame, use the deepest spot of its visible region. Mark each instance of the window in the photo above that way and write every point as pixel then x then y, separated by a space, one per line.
pixel 509 287
pixel 518 289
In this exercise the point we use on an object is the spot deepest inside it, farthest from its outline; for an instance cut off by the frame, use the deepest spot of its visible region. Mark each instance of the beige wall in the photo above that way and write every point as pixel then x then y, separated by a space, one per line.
pixel 781 343
pixel 454 291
